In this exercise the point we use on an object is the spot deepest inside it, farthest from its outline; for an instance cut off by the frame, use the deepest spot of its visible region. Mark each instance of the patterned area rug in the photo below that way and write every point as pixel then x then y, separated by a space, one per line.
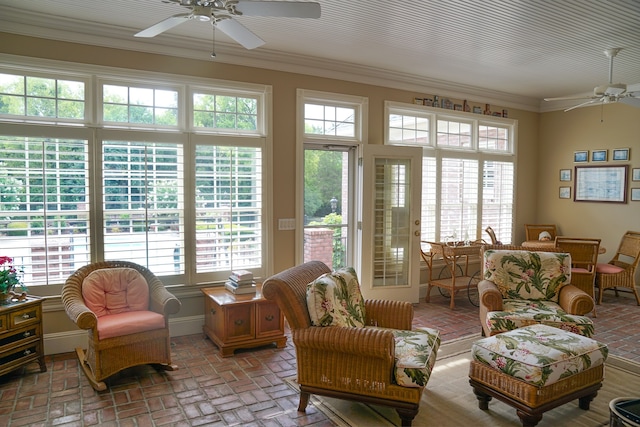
pixel 449 400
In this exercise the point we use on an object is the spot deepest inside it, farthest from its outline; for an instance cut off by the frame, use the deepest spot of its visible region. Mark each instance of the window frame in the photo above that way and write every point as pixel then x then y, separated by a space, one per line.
pixel 438 152
pixel 95 132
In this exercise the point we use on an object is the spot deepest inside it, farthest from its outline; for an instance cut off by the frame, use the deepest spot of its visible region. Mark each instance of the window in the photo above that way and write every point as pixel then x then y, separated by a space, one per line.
pixel 468 169
pixel 34 96
pixel 225 112
pixel 187 206
pixel 44 206
pixel 139 105
pixel 330 130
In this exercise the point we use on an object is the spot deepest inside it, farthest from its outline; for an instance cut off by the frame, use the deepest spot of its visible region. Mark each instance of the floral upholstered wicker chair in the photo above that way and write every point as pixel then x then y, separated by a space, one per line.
pixel 125 309
pixel 337 355
pixel 521 288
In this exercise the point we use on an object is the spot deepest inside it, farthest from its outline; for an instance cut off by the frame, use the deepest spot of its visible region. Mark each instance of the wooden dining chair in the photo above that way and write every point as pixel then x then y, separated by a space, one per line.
pixel 584 259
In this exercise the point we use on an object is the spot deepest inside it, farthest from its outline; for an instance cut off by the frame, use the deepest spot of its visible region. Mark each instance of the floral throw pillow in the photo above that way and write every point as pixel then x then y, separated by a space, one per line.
pixel 334 299
pixel 527 274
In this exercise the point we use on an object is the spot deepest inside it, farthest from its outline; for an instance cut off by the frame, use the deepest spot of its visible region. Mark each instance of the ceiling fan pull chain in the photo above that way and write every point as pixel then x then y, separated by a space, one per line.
pixel 213 40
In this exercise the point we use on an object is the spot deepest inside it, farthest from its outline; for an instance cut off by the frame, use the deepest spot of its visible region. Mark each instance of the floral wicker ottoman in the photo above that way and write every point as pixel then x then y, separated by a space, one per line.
pixel 535 369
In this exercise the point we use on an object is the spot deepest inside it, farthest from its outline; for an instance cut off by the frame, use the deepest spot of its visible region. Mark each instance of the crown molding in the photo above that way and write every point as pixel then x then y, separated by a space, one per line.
pixel 42 26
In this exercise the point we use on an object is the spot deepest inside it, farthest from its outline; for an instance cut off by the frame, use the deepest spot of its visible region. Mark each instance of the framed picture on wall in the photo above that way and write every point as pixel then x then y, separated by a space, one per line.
pixel 580 156
pixel 565 192
pixel 635 194
pixel 565 174
pixel 601 184
pixel 635 174
pixel 599 156
pixel 620 154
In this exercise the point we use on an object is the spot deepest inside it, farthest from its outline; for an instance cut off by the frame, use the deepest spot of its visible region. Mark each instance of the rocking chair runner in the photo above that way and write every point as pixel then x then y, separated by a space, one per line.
pixel 126 318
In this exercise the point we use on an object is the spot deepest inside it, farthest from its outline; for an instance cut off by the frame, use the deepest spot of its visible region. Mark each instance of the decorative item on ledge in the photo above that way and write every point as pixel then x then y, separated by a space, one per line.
pixel 449 104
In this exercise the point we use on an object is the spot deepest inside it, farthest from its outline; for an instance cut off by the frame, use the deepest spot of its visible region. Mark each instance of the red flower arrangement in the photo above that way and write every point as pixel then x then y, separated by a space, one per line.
pixel 9 275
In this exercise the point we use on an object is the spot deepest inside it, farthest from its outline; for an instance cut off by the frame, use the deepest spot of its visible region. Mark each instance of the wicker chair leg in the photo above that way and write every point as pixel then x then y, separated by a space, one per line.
pixel 406 416
pixel 304 400
pixel 97 385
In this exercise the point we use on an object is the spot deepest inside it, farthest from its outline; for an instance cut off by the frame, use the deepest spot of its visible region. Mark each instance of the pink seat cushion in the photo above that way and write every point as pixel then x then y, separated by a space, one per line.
pixel 116 325
pixel 115 290
pixel 608 269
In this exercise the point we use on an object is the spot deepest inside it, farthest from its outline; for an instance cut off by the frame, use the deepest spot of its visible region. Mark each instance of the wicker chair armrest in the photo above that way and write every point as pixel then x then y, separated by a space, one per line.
pixel 575 301
pixel 161 300
pixel 389 314
pixel 74 304
pixel 490 296
pixel 619 263
pixel 367 342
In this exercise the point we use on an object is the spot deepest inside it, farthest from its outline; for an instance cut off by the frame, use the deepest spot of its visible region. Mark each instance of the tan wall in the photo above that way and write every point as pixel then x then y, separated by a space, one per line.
pixel 592 128
pixel 545 143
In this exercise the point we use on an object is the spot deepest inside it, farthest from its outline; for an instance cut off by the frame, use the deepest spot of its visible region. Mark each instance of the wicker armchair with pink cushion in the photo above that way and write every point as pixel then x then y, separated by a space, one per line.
pixel 125 309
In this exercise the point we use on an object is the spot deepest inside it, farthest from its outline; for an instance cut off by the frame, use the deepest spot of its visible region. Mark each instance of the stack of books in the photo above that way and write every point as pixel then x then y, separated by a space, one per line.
pixel 241 282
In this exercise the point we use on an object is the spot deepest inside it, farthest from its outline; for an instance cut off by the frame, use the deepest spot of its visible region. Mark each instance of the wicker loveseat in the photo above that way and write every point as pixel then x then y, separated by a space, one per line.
pixel 126 327
pixel 521 288
pixel 353 363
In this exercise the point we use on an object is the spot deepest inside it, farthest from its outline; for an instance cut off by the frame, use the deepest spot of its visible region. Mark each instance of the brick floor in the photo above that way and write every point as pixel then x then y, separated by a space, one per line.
pixel 248 389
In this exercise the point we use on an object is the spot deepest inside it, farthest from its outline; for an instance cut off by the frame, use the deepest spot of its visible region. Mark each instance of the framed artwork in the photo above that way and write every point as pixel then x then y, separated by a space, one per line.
pixel 620 154
pixel 635 174
pixel 635 194
pixel 565 174
pixel 580 156
pixel 599 156
pixel 565 192
pixel 601 184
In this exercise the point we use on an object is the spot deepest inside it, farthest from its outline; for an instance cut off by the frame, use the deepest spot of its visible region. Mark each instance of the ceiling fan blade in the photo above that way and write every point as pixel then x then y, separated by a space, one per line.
pixel 239 33
pixel 568 98
pixel 163 26
pixel 633 88
pixel 584 104
pixel 629 100
pixel 279 8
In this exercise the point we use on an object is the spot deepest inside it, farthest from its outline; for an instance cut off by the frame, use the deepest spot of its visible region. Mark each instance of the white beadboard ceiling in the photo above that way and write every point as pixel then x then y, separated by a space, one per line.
pixel 513 52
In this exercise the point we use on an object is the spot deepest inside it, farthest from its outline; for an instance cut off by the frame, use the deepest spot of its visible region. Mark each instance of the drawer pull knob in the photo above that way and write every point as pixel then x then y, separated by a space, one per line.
pixel 27 352
pixel 269 318
pixel 239 322
pixel 26 316
pixel 27 334
pixel 213 311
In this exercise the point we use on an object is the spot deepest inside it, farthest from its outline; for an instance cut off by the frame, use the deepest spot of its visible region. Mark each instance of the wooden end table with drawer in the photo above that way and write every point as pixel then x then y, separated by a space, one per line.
pixel 21 340
pixel 241 321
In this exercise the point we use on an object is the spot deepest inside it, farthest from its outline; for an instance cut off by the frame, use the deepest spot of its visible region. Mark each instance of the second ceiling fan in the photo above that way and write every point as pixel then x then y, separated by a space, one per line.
pixel 221 14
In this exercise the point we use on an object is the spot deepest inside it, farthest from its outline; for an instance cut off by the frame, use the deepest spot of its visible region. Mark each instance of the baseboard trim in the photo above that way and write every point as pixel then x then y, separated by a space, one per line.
pixel 66 342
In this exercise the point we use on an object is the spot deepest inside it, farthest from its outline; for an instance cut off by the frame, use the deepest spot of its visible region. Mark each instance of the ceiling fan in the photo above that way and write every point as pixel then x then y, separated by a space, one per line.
pixel 221 14
pixel 610 92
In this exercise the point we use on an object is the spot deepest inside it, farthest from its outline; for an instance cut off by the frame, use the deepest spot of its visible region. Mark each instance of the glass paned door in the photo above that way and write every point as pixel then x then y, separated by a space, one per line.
pixel 328 192
pixel 390 222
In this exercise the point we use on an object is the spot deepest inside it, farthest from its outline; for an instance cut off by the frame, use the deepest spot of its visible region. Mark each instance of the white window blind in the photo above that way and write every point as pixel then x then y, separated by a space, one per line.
pixel 44 206
pixel 497 198
pixel 228 208
pixel 459 198
pixel 143 203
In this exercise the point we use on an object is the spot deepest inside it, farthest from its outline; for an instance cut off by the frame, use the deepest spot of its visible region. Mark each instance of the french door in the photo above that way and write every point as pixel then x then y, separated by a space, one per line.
pixel 390 186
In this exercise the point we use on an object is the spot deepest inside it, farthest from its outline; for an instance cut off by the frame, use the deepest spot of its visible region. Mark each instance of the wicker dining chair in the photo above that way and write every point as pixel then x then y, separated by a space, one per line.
pixel 492 235
pixel 619 273
pixel 532 231
pixel 127 326
pixel 353 363
pixel 584 258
